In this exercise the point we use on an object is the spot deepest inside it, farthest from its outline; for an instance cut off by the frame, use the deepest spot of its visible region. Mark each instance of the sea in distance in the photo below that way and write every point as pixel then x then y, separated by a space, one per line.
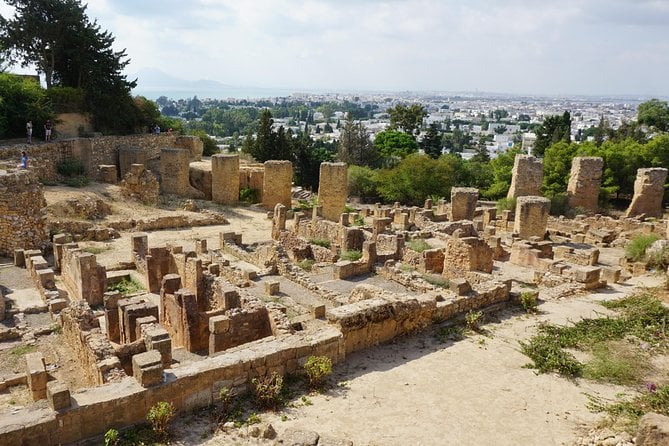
pixel 218 93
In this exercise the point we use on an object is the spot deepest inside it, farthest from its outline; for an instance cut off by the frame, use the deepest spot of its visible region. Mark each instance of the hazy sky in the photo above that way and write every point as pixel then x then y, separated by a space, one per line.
pixel 515 46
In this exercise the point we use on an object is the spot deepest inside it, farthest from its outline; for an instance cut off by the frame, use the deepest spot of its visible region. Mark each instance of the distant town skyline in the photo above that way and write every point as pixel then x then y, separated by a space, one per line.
pixel 580 47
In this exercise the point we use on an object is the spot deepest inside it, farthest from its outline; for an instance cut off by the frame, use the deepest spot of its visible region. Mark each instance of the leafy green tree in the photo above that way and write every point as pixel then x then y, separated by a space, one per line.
pixel 431 143
pixel 557 166
pixel 554 129
pixel 419 176
pixel 355 147
pixel 307 158
pixel 394 144
pixel 408 119
pixel 654 113
pixel 500 114
pixel 501 167
pixel 362 182
pixel 21 99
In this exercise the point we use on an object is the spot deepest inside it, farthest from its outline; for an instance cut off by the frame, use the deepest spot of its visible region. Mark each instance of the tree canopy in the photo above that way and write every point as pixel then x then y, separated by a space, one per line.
pixel 554 129
pixel 394 144
pixel 408 119
pixel 654 113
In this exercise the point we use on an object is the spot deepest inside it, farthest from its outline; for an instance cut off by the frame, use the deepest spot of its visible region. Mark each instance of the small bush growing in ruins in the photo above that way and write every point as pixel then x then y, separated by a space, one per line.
pixel 306 264
pixel 159 416
pixel 351 255
pixel 528 301
pixel 267 390
pixel 126 286
pixel 249 195
pixel 317 368
pixel 436 280
pixel 629 412
pixel 320 242
pixel 473 320
pixel 96 249
pixel 349 209
pixel 359 221
pixel 70 167
pixel 419 245
pixel 636 249
pixel 506 204
pixel 559 204
pixel 111 437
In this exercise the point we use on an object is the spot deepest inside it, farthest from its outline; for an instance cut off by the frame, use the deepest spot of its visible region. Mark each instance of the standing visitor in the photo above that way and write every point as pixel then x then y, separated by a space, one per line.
pixel 29 131
pixel 47 131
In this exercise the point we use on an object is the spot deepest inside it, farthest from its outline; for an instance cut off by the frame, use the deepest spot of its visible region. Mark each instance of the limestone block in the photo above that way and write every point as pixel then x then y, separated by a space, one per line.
pixel 463 203
pixel 653 430
pixel 648 192
pixel 2 306
pixel 200 178
pixel 460 287
pixel 225 179
pixel 128 156
pixel 219 324
pixel 193 144
pixel 531 216
pixel 611 274
pixel 36 375
pixel 333 190
pixel 56 305
pixel 147 368
pixel 157 338
pixel 272 288
pixel 584 182
pixel 107 173
pixel 527 175
pixel 20 258
pixel 175 173
pixel 58 395
pixel 277 183
pixel 318 311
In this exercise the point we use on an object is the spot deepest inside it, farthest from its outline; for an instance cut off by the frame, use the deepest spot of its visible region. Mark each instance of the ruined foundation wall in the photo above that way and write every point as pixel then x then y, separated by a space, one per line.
pixel 82 275
pixel 252 176
pixel 22 213
pixel 584 182
pixel 175 173
pixel 333 189
pixel 648 192
pixel 527 175
pixel 277 182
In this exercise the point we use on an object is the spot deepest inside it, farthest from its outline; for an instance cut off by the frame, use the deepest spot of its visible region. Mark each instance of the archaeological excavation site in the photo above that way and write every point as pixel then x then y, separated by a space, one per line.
pixel 156 284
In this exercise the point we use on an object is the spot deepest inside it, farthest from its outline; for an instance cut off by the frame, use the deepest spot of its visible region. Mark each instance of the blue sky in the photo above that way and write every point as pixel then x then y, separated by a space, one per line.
pixel 514 46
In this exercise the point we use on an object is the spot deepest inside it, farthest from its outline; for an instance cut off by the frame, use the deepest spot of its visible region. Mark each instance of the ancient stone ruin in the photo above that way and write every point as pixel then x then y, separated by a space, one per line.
pixel 527 174
pixel 648 192
pixel 584 183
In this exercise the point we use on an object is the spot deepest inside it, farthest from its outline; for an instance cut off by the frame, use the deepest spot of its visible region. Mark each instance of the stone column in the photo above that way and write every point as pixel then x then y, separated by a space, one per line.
pixel 277 183
pixel 648 192
pixel 531 216
pixel 127 156
pixel 463 203
pixel 175 171
pixel 528 172
pixel 193 144
pixel 225 179
pixel 333 189
pixel 584 182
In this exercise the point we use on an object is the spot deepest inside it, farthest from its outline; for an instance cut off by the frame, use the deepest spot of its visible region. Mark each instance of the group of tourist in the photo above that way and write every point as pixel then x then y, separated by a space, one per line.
pixel 47 131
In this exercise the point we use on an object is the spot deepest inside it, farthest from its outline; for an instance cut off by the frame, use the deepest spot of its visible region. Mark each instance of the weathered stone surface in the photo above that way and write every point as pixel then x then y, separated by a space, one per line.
pixel 200 178
pixel 333 190
pixel 193 144
pixel 147 368
pixel 36 373
pixel 107 173
pixel 58 395
pixel 23 222
pixel 648 192
pixel 584 182
pixel 653 430
pixel 527 174
pixel 531 216
pixel 463 203
pixel 277 183
pixel 141 184
pixel 293 437
pixel 175 173
pixel 225 179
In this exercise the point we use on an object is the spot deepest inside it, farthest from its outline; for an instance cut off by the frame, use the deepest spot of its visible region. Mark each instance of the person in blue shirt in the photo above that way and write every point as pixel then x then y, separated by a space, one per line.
pixel 24 160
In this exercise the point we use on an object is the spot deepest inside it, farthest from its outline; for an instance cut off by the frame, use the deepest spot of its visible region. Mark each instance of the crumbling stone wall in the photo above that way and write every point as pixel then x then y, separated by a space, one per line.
pixel 527 174
pixel 175 173
pixel 141 184
pixel 333 189
pixel 95 353
pixel 648 192
pixel 238 326
pixel 531 216
pixel 22 213
pixel 193 144
pixel 277 183
pixel 463 203
pixel 84 278
pixel 584 182
pixel 466 254
pixel 200 178
pixel 225 179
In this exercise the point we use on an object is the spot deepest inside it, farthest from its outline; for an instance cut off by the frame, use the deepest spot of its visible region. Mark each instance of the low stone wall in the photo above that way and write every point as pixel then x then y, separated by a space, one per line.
pixel 22 213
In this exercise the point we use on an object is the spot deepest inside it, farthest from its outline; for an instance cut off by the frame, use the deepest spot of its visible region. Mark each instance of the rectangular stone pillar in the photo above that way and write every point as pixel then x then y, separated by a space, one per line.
pixel 531 216
pixel 648 192
pixel 333 189
pixel 277 183
pixel 528 173
pixel 225 179
pixel 584 182
pixel 463 203
pixel 175 171
pixel 36 374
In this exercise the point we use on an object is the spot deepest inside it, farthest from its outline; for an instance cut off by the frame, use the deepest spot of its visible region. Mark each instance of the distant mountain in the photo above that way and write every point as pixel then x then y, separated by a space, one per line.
pixel 155 79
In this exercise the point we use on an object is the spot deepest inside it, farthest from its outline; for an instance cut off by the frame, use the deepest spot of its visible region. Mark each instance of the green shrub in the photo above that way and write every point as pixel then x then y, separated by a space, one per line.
pixel 159 417
pixel 506 204
pixel 636 249
pixel 69 167
pixel 249 195
pixel 473 320
pixel 351 255
pixel 320 242
pixel 111 437
pixel 267 390
pixel 126 286
pixel 419 245
pixel 306 264
pixel 359 221
pixel 529 301
pixel 77 181
pixel 658 260
pixel 559 204
pixel 317 368
pixel 436 280
pixel 66 99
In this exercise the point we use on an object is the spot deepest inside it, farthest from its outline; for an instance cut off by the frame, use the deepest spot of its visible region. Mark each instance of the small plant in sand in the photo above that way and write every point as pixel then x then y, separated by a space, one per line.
pixel 267 390
pixel 317 368
pixel 528 300
pixel 473 320
pixel 159 417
